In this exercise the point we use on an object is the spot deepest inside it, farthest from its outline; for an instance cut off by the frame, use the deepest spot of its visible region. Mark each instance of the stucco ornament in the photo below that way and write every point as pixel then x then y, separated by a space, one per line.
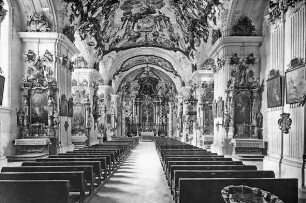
pixel 285 122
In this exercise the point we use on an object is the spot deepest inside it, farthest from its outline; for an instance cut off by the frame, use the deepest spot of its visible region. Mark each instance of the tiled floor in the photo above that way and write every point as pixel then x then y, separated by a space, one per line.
pixel 140 179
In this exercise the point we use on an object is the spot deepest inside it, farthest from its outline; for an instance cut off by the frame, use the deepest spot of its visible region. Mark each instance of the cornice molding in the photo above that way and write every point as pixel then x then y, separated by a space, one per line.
pixel 48 37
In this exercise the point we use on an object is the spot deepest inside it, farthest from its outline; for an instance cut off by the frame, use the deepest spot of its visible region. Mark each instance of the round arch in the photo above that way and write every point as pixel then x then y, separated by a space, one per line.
pixel 119 79
pixel 171 56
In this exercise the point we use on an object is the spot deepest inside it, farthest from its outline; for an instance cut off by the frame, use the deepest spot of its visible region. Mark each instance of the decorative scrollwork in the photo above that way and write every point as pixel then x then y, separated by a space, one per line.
pixel 39 74
pixel 295 63
pixel 220 64
pixel 244 27
pixel 209 64
pixel 80 62
pixel 38 23
pixel 285 122
pixel 278 8
pixel 216 34
pixel 273 74
pixel 241 74
pixel 69 32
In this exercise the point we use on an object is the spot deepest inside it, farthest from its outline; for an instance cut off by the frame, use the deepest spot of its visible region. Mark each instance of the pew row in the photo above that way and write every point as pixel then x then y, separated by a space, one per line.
pixel 86 169
pixel 178 174
pixel 35 191
pixel 208 190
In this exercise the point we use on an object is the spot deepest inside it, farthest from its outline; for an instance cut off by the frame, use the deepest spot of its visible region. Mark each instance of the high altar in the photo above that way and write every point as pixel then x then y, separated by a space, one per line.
pixel 147 105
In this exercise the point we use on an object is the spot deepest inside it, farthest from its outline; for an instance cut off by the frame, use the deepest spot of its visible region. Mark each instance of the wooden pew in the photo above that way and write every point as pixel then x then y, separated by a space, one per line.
pixel 95 164
pixel 178 174
pixel 35 191
pixel 207 167
pixel 76 179
pixel 113 156
pixel 123 148
pixel 164 153
pixel 87 169
pixel 208 190
pixel 104 168
pixel 171 163
pixel 92 150
pixel 188 155
pixel 197 159
pixel 107 158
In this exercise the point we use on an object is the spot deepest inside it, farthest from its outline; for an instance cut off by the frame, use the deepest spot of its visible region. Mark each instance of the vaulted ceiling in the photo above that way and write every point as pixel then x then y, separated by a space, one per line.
pixel 179 25
pixel 105 31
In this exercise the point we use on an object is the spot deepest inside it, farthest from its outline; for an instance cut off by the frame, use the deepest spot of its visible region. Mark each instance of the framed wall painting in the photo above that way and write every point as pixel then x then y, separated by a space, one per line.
pixel 214 109
pixel 70 107
pixel 220 108
pixel 295 85
pixel 274 92
pixel 64 106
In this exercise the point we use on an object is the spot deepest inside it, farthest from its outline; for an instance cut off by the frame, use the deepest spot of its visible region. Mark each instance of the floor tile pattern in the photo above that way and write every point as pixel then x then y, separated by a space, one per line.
pixel 140 179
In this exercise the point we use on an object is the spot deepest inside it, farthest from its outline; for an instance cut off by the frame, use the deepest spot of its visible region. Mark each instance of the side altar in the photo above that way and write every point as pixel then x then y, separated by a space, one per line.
pixel 38 119
pixel 43 121
pixel 44 117
pixel 242 116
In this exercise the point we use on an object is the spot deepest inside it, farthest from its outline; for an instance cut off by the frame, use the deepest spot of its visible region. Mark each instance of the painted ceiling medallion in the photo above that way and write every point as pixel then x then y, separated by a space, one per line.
pixel 177 25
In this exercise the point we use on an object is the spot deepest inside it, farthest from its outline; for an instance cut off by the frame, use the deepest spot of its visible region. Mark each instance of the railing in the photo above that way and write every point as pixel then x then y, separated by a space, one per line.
pixel 149 127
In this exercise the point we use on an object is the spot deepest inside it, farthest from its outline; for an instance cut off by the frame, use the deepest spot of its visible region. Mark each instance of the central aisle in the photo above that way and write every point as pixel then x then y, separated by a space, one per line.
pixel 140 179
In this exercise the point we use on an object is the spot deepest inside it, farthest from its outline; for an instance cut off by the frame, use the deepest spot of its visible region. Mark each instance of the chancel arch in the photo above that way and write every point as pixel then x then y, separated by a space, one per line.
pixel 180 62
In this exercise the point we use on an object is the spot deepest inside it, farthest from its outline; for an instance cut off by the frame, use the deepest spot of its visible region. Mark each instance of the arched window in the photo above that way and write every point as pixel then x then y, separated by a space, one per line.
pixel 5 41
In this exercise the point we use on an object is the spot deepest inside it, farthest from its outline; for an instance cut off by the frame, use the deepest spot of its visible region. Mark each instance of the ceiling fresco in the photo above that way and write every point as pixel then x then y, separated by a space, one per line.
pixel 112 25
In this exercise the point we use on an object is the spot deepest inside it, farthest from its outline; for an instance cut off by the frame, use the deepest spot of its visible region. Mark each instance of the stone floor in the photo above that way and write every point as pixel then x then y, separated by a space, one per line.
pixel 140 179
